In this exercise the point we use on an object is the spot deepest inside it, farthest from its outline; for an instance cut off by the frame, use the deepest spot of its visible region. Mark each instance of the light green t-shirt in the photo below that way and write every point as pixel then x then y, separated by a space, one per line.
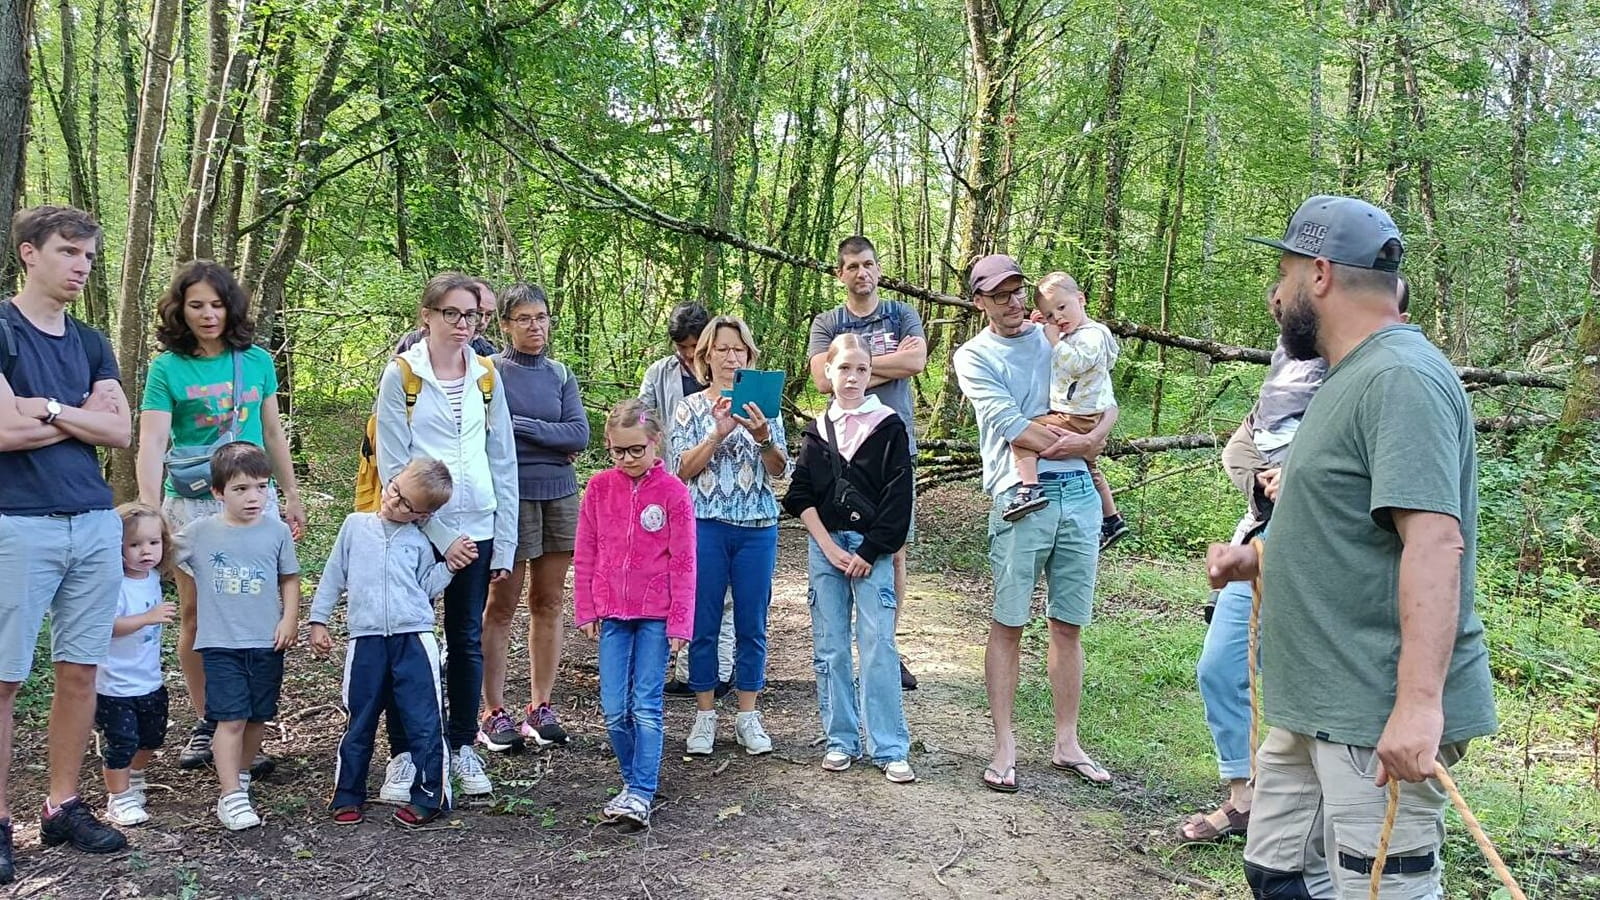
pixel 1390 429
pixel 199 393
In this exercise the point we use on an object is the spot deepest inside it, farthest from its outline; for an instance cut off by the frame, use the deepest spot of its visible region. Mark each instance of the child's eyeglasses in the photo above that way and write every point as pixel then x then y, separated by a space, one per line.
pixel 401 499
pixel 634 452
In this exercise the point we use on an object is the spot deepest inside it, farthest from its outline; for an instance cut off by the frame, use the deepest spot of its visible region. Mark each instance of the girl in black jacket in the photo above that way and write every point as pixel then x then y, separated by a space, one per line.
pixel 852 489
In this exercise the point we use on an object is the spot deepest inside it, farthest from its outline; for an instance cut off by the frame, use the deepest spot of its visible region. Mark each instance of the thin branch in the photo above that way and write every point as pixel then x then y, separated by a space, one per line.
pixel 307 194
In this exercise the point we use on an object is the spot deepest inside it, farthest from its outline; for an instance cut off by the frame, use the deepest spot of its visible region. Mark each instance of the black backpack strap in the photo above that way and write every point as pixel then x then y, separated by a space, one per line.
pixel 8 340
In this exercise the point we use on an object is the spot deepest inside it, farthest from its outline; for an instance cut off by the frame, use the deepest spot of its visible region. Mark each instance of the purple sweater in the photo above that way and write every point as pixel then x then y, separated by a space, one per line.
pixel 548 421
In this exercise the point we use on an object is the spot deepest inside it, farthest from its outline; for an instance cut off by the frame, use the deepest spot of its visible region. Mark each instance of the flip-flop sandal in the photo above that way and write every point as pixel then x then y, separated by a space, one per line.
pixel 999 786
pixel 1201 831
pixel 1078 768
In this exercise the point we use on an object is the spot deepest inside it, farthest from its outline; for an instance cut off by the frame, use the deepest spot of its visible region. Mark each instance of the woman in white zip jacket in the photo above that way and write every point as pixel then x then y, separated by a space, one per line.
pixel 453 420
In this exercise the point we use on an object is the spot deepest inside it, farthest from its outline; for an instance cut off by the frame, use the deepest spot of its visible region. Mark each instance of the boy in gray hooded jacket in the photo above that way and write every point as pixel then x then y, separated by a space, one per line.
pixel 389 573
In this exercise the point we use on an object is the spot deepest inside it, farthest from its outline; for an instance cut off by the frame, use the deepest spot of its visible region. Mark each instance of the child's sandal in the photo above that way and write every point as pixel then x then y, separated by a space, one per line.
pixel 414 816
pixel 349 815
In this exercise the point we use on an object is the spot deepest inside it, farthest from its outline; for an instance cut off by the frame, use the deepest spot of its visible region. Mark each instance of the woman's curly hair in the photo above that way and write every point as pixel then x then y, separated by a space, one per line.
pixel 238 330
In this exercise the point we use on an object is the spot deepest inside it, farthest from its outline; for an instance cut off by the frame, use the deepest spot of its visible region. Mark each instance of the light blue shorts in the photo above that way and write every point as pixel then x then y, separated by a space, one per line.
pixel 68 566
pixel 1061 542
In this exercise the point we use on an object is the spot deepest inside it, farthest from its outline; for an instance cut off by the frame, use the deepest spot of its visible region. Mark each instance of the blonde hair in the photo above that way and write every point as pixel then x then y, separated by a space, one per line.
pixel 1056 280
pixel 132 513
pixel 847 341
pixel 708 336
pixel 634 413
pixel 432 481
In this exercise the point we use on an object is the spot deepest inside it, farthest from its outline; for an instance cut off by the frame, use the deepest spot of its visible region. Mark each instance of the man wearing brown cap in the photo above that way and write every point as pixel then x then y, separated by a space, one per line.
pixel 1373 659
pixel 1005 372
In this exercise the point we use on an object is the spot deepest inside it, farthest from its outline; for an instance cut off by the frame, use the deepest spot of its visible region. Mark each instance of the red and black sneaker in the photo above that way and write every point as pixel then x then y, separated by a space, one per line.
pixel 414 816
pixel 349 815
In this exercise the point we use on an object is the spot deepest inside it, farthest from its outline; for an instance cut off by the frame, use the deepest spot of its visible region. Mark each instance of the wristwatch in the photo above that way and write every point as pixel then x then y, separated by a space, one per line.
pixel 52 408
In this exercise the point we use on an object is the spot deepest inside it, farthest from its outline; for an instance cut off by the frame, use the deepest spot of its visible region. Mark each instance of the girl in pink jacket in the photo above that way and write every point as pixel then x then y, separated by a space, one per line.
pixel 633 589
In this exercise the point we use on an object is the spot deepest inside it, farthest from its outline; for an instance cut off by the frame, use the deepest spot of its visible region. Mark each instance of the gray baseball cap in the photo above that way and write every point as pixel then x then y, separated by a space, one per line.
pixel 1345 230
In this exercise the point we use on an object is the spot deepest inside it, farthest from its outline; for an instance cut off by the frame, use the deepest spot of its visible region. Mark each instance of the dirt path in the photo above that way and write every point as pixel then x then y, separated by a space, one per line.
pixel 728 826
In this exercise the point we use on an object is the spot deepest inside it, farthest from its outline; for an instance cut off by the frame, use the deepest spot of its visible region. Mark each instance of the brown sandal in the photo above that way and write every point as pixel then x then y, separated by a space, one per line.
pixel 1199 830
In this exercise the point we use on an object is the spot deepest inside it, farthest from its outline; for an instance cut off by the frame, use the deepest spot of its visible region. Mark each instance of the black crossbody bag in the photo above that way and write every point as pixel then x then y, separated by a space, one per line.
pixel 854 504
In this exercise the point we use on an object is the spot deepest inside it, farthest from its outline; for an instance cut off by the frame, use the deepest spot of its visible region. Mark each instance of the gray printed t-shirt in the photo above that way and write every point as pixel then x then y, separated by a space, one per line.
pixel 889 324
pixel 236 570
pixel 1389 430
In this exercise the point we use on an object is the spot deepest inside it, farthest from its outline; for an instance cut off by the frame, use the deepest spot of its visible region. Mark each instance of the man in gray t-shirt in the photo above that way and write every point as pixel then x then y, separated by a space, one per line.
pixel 893 333
pixel 236 570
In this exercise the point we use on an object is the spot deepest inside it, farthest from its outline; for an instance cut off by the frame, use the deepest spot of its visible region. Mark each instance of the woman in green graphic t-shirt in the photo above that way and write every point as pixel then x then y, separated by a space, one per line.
pixel 189 398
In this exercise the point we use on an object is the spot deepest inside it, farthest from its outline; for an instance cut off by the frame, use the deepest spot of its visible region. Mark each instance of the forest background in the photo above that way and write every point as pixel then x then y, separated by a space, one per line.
pixel 632 155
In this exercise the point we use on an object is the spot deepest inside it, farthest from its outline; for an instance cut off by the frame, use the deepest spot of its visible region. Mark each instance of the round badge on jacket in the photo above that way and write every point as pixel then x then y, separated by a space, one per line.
pixel 653 518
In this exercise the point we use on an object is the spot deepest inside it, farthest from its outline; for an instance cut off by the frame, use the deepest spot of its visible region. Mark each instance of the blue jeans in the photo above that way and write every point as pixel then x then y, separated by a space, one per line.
pixel 744 558
pixel 633 666
pixel 463 656
pixel 833 597
pixel 1224 676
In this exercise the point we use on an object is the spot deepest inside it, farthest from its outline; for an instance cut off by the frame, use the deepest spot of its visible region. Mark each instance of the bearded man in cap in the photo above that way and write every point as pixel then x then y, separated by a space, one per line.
pixel 1373 659
pixel 1005 372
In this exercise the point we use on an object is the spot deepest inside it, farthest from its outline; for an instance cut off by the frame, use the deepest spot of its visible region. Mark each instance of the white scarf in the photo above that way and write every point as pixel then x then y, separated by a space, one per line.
pixel 853 426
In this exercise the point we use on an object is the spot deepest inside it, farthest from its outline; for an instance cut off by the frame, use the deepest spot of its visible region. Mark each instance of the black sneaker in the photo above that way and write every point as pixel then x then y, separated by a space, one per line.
pixel 262 765
pixel 1029 499
pixel 722 689
pixel 75 824
pixel 676 688
pixel 543 727
pixel 8 869
pixel 1111 531
pixel 197 753
pixel 908 681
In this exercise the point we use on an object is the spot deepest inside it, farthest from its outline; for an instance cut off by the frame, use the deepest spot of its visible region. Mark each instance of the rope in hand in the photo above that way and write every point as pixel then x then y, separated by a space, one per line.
pixel 1473 827
pixel 1260 548
pixel 1439 771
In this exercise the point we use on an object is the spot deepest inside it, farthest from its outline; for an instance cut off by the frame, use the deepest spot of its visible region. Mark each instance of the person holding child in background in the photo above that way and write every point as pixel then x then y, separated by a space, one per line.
pixel 388 571
pixel 1080 393
pixel 209 385
pixel 633 590
pixel 247 605
pixel 728 461
pixel 852 490
pixel 130 698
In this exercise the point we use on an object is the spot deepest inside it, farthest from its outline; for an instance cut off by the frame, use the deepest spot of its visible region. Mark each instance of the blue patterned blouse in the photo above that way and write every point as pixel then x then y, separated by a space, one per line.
pixel 734 487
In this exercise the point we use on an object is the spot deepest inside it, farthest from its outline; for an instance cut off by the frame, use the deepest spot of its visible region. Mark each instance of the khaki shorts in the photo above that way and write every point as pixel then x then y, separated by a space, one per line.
pixel 546 526
pixel 1317 816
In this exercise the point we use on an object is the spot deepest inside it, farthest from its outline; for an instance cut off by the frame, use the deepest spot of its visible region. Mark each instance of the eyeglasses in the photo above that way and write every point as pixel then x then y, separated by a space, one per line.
pixel 636 451
pixel 730 350
pixel 1016 297
pixel 452 315
pixel 542 320
pixel 401 499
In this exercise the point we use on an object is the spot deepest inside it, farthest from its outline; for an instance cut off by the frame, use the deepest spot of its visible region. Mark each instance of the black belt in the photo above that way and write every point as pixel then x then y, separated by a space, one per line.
pixel 1394 865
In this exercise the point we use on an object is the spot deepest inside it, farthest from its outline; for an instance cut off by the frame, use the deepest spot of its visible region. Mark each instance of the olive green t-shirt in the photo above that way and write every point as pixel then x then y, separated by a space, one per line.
pixel 1390 429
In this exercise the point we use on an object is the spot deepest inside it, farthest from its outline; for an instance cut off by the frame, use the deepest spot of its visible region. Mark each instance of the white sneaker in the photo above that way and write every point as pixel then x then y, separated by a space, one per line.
pixel 127 808
pixel 899 772
pixel 244 782
pixel 468 769
pixel 618 806
pixel 748 732
pixel 703 734
pixel 397 780
pixel 234 811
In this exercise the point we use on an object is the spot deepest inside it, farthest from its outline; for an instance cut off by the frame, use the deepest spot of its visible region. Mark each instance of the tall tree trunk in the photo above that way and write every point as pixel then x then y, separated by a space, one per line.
pixel 1313 10
pixel 142 183
pixel 270 171
pixel 1582 408
pixel 1350 162
pixel 229 59
pixel 1170 255
pixel 1521 112
pixel 127 67
pixel 1116 159
pixel 16 26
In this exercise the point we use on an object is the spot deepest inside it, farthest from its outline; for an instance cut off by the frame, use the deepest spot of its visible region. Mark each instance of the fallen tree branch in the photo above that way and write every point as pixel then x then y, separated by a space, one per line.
pixel 637 208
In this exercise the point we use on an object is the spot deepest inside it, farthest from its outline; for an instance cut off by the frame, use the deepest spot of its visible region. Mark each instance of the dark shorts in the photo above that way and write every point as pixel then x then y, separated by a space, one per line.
pixel 546 526
pixel 130 724
pixel 242 684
